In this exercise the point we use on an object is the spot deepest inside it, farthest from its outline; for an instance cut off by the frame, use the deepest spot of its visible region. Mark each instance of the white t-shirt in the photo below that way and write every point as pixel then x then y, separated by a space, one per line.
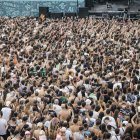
pixel 116 137
pixel 112 121
pixel 42 137
pixel 87 86
pixel 3 126
pixel 68 134
pixel 112 133
pixel 78 136
pixel 122 130
pixel 6 113
pixel 57 108
pixel 2 69
pixel 80 94
pixel 95 115
pixel 118 84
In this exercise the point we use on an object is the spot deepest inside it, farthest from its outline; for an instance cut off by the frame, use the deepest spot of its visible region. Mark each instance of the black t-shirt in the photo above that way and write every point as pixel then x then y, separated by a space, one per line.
pixel 110 85
pixel 106 98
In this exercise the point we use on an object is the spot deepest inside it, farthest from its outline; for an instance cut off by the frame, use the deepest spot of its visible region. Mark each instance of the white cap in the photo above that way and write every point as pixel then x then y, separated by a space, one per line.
pixel 125 122
pixel 27 132
pixel 74 62
pixel 88 101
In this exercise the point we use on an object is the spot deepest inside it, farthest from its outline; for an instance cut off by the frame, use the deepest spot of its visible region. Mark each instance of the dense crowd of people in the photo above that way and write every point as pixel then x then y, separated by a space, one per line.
pixel 69 79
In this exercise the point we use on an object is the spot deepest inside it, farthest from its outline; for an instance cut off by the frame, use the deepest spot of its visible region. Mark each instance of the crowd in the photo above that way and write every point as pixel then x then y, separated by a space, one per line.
pixel 69 79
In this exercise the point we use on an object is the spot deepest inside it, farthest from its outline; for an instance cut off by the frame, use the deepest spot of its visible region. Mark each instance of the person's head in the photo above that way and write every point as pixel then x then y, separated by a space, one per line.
pixel 109 127
pixel 90 113
pixel 13 119
pixel 75 120
pixel 40 125
pixel 101 115
pixel 97 108
pixel 66 124
pixel 83 104
pixel 117 131
pixel 108 112
pixel 134 134
pixel 127 138
pixel 16 132
pixel 129 130
pixel 28 134
pixel 85 125
pixel 25 118
pixel 81 128
pixel 63 130
pixel 56 101
pixel 107 136
pixel 103 128
pixel 124 123
pixel 63 106
pixel 93 106
pixel 98 122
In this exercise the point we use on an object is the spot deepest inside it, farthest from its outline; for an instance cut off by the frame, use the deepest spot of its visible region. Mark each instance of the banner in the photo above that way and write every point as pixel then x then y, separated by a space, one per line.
pixel 31 7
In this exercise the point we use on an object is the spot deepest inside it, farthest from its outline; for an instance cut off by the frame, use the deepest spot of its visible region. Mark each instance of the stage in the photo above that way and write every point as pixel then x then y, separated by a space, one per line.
pixel 31 7
pixel 15 8
pixel 116 8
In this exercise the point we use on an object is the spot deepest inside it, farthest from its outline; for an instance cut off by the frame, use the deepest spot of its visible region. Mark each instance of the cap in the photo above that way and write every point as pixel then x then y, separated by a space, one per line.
pixel 125 122
pixel 27 132
pixel 88 101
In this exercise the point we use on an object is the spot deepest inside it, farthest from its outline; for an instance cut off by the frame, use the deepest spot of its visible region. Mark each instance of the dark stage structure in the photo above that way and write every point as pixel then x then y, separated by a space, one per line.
pixel 126 9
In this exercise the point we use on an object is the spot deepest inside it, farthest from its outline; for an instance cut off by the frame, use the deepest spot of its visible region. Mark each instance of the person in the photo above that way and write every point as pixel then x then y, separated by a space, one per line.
pixel 78 135
pixel 83 71
pixel 27 135
pixel 38 130
pixel 3 127
pixel 6 111
pixel 74 127
pixel 42 135
pixel 117 136
pixel 123 128
pixel 134 135
pixel 61 134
